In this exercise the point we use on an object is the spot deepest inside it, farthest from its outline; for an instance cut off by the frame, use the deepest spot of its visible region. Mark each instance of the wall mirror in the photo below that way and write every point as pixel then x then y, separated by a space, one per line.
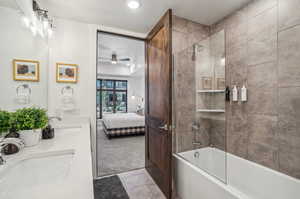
pixel 23 62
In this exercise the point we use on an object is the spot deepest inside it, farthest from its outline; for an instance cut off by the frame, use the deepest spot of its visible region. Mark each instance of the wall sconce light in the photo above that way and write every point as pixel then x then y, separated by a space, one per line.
pixel 40 22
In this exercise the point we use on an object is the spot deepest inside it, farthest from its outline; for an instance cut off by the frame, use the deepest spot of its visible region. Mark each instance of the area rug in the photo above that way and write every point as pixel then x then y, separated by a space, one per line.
pixel 109 188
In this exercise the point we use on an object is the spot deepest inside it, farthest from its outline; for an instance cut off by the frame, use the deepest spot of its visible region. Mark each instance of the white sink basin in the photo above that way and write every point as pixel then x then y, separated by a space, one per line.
pixel 67 130
pixel 34 174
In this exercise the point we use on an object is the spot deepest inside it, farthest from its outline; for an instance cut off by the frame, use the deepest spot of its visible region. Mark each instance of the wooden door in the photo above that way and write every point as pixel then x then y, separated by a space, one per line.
pixel 158 103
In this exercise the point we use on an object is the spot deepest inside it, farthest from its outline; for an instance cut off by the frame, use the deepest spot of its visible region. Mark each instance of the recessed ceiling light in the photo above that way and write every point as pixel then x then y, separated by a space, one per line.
pixel 133 4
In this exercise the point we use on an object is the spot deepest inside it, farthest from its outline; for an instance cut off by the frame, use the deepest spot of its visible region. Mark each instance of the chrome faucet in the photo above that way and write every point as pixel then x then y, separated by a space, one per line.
pixel 195 128
pixel 6 141
pixel 54 117
pixel 2 160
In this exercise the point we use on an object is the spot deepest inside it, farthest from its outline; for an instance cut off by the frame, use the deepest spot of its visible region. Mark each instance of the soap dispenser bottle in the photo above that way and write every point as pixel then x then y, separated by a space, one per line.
pixel 234 94
pixel 243 94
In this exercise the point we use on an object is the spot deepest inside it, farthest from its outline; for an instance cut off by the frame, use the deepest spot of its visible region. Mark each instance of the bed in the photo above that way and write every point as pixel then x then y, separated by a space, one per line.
pixel 123 124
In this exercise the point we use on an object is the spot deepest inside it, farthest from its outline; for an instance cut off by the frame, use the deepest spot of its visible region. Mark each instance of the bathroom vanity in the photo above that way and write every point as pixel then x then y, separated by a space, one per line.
pixel 58 168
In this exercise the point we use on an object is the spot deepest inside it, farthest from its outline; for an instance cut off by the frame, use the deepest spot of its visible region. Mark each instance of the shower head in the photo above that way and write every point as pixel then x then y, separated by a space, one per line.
pixel 196 48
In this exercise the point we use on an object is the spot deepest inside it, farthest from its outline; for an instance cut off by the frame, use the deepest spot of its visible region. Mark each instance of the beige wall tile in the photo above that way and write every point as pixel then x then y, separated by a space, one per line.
pixel 288 131
pixel 256 7
pixel 289 14
pixel 262 50
pixel 263 25
pixel 288 57
pixel 237 136
pixel 179 41
pixel 262 101
pixel 180 24
pixel 262 76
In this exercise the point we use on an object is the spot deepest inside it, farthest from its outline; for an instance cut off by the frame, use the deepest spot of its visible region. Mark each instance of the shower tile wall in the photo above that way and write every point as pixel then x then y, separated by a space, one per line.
pixel 185 34
pixel 263 52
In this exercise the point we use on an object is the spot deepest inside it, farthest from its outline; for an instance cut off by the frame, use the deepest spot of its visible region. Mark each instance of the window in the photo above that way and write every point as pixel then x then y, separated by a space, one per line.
pixel 111 96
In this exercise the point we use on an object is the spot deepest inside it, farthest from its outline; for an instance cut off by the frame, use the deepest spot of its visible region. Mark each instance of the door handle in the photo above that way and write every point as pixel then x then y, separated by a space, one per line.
pixel 165 127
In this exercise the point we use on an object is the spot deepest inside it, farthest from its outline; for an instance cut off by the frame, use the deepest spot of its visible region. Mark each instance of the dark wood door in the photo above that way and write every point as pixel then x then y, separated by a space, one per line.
pixel 158 103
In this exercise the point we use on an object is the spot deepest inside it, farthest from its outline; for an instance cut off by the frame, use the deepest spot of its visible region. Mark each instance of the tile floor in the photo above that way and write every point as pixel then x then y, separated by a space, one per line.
pixel 139 185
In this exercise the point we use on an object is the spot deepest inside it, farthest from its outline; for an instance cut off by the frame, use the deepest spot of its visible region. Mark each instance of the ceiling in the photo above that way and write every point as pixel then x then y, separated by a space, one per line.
pixel 8 3
pixel 115 13
pixel 123 47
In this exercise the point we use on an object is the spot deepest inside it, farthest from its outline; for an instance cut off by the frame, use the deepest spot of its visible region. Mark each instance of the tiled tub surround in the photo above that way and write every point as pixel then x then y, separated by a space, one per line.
pixel 263 52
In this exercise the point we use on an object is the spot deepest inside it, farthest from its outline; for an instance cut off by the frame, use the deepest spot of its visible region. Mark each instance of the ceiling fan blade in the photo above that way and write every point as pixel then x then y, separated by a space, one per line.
pixel 104 61
pixel 125 59
pixel 106 58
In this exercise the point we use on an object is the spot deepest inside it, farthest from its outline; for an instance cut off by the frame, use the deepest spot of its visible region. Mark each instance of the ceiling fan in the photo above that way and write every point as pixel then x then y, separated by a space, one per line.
pixel 114 59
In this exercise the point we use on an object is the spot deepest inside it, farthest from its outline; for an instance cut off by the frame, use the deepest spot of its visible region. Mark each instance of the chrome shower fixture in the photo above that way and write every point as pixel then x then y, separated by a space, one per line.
pixel 196 48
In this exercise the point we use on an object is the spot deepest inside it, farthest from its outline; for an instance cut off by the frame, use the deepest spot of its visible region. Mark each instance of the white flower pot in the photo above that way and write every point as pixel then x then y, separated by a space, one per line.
pixel 3 134
pixel 30 137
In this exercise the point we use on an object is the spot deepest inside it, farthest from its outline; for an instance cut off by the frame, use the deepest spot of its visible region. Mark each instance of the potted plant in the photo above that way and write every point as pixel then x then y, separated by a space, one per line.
pixel 29 122
pixel 5 123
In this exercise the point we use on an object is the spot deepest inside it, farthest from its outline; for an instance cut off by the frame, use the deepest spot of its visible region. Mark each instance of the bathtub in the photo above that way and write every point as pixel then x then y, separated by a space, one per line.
pixel 226 176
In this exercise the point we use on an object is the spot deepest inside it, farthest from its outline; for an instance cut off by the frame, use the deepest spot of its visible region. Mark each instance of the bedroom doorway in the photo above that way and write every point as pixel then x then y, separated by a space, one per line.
pixel 120 103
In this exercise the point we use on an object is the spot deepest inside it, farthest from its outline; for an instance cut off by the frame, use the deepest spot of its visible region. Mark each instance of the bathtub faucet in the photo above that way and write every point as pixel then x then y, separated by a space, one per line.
pixel 195 126
pixel 197 143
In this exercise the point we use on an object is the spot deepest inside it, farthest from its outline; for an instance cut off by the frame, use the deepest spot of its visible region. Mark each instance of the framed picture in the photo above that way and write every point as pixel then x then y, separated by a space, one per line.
pixel 207 83
pixel 66 73
pixel 26 70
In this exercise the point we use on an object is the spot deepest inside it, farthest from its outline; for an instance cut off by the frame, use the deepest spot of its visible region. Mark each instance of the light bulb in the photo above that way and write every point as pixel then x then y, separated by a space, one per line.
pixel 45 24
pixel 41 33
pixel 26 21
pixel 33 30
pixel 133 4
pixel 50 32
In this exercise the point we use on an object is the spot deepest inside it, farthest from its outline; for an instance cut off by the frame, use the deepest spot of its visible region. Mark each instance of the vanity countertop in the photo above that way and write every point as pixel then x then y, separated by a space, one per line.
pixel 78 183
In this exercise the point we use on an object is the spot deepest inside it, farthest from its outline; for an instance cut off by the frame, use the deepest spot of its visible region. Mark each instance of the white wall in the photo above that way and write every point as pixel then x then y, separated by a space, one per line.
pixel 71 44
pixel 17 42
pixel 136 87
pixel 75 42
pixel 114 70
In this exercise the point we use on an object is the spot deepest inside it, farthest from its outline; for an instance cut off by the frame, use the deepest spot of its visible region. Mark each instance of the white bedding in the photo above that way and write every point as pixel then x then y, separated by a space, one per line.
pixel 123 120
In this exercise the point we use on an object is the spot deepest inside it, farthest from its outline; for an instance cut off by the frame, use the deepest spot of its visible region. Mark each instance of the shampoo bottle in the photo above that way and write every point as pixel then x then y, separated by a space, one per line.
pixel 234 94
pixel 243 94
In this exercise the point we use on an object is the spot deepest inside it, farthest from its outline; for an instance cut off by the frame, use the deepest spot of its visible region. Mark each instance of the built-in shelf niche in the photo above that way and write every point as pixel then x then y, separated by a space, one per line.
pixel 210 91
pixel 210 110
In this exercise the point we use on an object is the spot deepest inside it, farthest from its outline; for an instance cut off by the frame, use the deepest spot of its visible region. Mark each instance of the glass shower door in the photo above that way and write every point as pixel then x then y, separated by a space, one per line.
pixel 199 105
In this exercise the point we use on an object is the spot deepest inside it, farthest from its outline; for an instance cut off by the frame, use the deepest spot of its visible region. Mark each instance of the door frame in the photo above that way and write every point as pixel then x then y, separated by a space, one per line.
pixel 97 52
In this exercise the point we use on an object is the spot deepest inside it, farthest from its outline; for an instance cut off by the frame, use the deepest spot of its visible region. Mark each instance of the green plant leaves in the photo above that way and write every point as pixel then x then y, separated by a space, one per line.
pixel 5 121
pixel 23 119
pixel 29 118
